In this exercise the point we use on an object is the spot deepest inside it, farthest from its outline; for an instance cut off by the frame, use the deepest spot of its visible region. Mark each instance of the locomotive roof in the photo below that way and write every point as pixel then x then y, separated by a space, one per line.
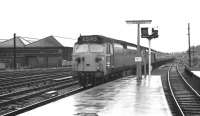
pixel 103 39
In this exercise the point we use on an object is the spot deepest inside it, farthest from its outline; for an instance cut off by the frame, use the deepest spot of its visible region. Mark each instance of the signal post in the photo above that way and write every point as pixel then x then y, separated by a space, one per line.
pixel 145 34
pixel 138 59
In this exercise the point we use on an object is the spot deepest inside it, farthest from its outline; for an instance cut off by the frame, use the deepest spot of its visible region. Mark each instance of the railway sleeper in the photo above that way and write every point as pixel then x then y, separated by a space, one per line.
pixel 189 102
pixel 196 110
pixel 183 92
pixel 191 107
pixel 191 113
pixel 188 98
pixel 196 104
pixel 184 96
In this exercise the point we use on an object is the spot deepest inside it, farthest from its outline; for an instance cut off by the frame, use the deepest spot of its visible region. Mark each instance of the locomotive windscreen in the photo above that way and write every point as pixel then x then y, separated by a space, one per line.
pixel 91 47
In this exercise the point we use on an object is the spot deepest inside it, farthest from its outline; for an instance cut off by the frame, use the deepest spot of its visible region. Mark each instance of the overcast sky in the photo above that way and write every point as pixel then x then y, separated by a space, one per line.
pixel 70 18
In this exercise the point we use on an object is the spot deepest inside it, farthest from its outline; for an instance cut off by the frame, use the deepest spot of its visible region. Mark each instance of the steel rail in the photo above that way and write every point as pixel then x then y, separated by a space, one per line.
pixel 172 93
pixel 191 88
pixel 41 103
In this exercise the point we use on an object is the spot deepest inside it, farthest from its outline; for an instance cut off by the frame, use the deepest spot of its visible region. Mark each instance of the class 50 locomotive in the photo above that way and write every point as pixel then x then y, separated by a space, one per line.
pixel 97 58
pixel 91 59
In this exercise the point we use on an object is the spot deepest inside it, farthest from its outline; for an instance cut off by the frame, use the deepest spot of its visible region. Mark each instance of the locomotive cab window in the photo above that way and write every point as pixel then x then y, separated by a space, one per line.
pixel 82 48
pixel 96 47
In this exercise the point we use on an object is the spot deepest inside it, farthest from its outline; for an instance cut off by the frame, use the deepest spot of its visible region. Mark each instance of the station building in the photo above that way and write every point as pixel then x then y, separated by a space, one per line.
pixel 47 52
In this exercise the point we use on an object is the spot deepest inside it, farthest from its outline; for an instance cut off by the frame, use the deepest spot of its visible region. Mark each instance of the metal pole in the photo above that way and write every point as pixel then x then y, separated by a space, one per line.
pixel 138 63
pixel 149 57
pixel 14 52
pixel 145 71
pixel 192 62
pixel 189 44
pixel 139 75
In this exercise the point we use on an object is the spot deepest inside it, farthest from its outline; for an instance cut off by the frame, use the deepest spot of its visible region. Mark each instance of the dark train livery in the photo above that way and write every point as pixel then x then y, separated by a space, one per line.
pixel 99 58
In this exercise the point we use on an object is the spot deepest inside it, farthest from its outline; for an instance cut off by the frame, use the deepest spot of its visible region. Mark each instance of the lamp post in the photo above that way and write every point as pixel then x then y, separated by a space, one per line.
pixel 138 59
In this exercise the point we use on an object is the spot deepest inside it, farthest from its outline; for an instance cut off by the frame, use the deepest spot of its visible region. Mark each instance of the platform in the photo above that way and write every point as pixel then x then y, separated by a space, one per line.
pixel 123 97
pixel 197 73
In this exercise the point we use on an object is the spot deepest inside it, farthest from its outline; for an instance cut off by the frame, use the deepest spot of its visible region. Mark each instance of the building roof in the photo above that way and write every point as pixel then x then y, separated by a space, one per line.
pixel 66 42
pixel 45 42
pixel 10 43
pixel 52 41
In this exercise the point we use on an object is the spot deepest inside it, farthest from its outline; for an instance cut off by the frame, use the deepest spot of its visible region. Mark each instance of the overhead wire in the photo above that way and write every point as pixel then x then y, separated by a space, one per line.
pixel 63 37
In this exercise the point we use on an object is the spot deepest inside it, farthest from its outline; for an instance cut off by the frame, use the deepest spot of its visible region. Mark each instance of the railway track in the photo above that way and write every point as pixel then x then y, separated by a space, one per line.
pixel 17 102
pixel 186 99
pixel 21 102
pixel 7 75
pixel 29 82
pixel 29 78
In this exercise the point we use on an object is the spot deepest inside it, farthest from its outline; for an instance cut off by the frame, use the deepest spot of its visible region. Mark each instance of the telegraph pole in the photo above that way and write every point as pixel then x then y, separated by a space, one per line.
pixel 138 59
pixel 14 52
pixel 189 52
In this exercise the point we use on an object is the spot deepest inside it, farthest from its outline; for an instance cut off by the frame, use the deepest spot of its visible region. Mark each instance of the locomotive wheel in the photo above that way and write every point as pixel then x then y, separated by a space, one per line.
pixel 83 81
pixel 86 81
pixel 106 78
pixel 102 79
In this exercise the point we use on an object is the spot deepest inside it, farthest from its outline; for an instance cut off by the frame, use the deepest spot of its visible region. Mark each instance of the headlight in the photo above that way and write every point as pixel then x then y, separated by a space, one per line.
pixel 107 64
pixel 100 67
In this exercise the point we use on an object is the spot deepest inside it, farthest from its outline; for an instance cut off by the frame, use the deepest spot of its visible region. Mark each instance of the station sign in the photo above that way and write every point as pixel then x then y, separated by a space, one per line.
pixel 138 59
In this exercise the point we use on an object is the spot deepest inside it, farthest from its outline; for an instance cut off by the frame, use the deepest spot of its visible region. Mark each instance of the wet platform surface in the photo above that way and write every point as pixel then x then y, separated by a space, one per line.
pixel 123 97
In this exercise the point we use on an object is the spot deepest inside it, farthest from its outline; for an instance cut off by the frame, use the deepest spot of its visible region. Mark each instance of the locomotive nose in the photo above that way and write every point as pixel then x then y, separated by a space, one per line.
pixel 89 62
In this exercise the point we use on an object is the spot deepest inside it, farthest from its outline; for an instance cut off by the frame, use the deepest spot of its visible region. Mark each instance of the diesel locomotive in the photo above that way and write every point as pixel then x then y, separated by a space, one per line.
pixel 98 58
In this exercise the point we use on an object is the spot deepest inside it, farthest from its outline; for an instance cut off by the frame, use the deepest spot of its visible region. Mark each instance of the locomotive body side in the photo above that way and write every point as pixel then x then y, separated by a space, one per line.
pixel 123 58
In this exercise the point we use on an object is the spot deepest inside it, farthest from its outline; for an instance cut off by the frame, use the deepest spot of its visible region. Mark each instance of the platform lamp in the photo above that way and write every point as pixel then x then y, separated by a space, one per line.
pixel 145 34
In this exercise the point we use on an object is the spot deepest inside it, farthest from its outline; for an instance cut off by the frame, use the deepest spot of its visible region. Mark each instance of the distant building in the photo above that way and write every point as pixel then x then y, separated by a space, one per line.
pixel 47 52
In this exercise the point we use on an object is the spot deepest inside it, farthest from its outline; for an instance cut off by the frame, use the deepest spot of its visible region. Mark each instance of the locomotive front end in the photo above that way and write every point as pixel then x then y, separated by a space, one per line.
pixel 89 61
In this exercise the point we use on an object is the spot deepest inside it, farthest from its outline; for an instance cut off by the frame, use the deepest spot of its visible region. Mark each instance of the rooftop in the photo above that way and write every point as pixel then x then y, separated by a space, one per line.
pixel 50 41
